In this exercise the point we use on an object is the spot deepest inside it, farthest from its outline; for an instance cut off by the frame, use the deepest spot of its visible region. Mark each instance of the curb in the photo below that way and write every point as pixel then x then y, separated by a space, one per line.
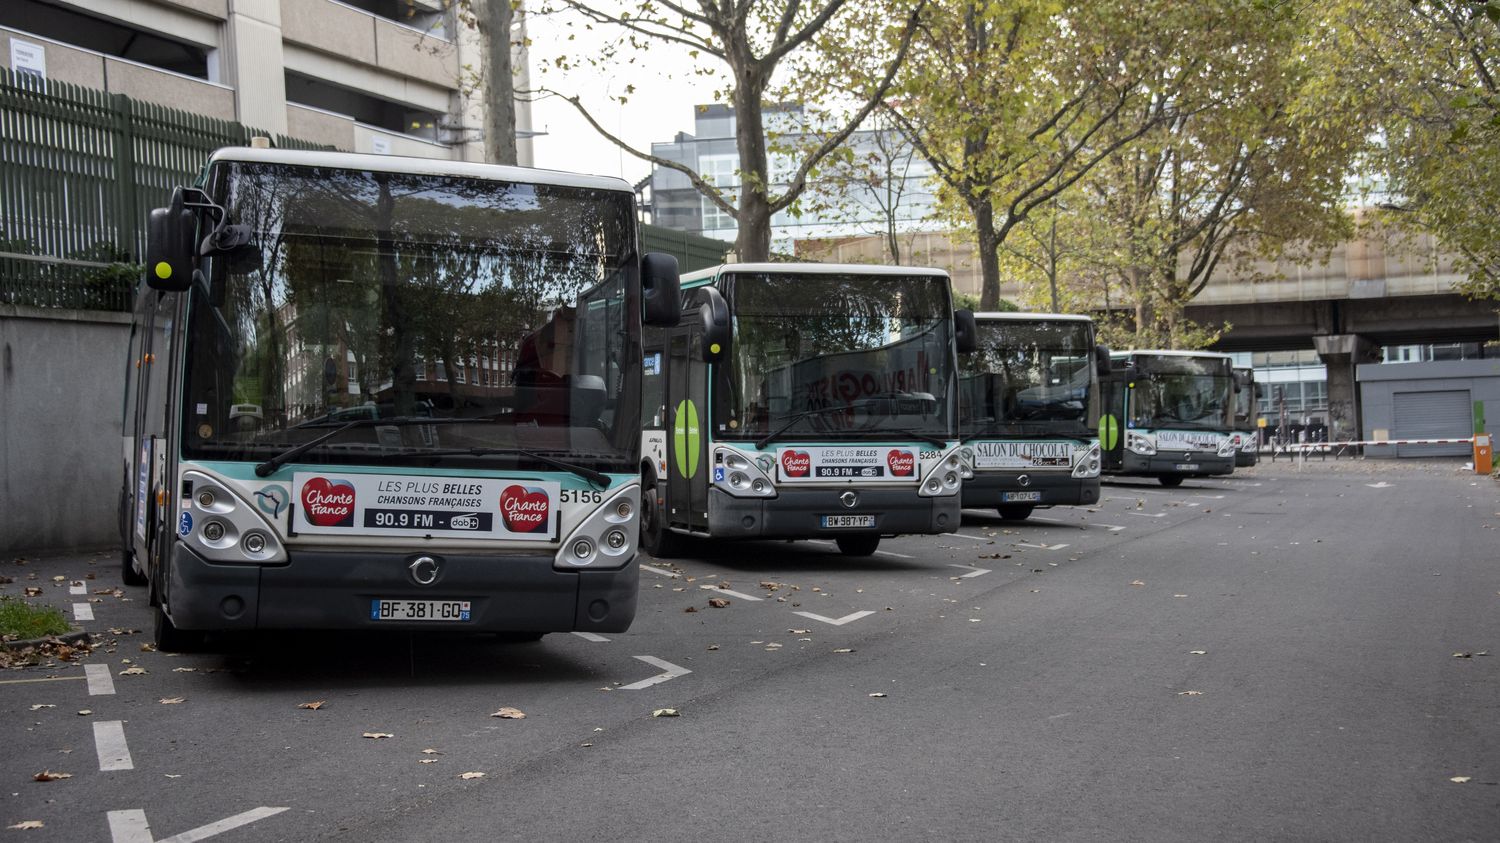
pixel 66 638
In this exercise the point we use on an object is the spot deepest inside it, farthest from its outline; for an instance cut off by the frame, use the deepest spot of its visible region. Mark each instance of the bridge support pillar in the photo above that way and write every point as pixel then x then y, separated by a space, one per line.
pixel 1341 353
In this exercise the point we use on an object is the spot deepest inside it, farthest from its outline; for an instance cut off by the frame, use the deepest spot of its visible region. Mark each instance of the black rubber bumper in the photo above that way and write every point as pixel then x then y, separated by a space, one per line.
pixel 320 589
pixel 1245 459
pixel 1166 462
pixel 984 489
pixel 797 513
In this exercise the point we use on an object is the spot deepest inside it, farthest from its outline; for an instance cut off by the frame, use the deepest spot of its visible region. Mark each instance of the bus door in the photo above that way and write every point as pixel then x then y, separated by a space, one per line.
pixel 1112 396
pixel 687 429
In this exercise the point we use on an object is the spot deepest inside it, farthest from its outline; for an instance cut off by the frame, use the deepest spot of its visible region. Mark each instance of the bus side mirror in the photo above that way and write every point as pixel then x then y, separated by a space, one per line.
pixel 717 331
pixel 965 331
pixel 661 290
pixel 169 246
pixel 1101 360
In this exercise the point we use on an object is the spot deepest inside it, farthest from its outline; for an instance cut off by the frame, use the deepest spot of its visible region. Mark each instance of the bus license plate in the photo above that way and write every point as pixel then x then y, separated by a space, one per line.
pixel 1020 497
pixel 419 610
pixel 848 521
pixel 1186 466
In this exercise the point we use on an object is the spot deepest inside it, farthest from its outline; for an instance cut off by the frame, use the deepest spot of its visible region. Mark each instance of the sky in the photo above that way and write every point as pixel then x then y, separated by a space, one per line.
pixel 660 107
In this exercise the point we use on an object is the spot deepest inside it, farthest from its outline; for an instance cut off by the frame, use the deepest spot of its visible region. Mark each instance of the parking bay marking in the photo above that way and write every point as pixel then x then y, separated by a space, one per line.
pixel 109 743
pixel 973 571
pixel 78 587
pixel 1042 546
pixel 590 636
pixel 662 571
pixel 731 593
pixel 670 671
pixel 100 682
pixel 877 553
pixel 131 826
pixel 853 616
pixel 83 612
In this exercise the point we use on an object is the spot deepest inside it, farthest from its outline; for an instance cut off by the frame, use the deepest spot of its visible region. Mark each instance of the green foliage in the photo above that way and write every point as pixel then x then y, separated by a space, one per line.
pixel 22 620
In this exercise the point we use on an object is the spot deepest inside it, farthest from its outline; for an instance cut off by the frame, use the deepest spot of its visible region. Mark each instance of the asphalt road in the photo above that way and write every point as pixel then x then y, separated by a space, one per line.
pixel 1273 656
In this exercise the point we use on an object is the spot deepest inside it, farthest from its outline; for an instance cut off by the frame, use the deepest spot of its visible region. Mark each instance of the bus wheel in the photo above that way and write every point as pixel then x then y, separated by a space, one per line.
pixel 128 574
pixel 858 545
pixel 1171 480
pixel 1016 511
pixel 656 539
pixel 169 639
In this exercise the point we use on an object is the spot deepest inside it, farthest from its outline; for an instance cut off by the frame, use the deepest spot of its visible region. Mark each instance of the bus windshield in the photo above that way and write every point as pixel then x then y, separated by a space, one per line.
pixel 461 321
pixel 1182 392
pixel 840 356
pixel 1028 376
pixel 1246 401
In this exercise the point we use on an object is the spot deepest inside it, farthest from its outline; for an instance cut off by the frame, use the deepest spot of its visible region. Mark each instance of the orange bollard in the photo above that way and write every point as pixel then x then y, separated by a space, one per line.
pixel 1484 454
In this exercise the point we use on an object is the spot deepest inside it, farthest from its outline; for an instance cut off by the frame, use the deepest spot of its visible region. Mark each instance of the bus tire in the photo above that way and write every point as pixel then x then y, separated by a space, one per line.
pixel 128 573
pixel 168 638
pixel 656 538
pixel 1171 481
pixel 863 545
pixel 1016 511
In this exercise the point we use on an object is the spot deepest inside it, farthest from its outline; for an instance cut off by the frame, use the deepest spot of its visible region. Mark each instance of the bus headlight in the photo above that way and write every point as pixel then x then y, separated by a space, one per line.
pixel 734 473
pixel 1087 463
pixel 943 477
pixel 222 527
pixel 1140 443
pixel 1226 447
pixel 606 537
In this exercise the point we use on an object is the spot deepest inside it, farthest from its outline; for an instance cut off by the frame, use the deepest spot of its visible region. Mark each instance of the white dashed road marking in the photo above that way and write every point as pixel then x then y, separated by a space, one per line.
pixel 83 612
pixel 109 742
pixel 662 571
pixel 1042 546
pixel 78 588
pixel 101 683
pixel 973 571
pixel 877 553
pixel 1113 528
pixel 131 826
pixel 1150 514
pixel 589 636
pixel 972 538
pixel 671 671
pixel 854 616
pixel 731 593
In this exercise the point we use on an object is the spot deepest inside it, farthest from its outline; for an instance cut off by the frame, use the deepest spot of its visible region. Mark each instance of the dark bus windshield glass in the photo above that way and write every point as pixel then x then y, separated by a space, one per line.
pixel 1192 393
pixel 377 296
pixel 1246 400
pixel 838 356
pixel 1028 376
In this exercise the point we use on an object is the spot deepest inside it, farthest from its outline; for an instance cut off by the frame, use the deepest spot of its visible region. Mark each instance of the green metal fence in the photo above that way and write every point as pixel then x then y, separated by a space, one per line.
pixel 79 171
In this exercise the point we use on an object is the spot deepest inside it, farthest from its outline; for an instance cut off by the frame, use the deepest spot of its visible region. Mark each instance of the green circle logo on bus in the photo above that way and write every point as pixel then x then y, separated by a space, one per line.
pixel 685 439
pixel 1109 431
pixel 163 270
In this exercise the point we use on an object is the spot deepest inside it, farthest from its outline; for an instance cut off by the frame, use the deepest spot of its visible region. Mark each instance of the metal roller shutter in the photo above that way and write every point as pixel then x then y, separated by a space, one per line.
pixel 1433 415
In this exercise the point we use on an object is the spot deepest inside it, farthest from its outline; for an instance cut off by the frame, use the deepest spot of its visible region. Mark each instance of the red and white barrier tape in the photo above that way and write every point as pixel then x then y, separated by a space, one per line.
pixel 1293 445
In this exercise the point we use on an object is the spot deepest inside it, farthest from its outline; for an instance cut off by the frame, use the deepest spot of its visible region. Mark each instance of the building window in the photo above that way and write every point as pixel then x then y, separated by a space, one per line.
pixel 719 171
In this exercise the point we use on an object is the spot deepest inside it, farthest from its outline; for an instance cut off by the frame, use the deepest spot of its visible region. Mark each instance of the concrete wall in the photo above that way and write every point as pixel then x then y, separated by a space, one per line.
pixel 1378 384
pixel 61 390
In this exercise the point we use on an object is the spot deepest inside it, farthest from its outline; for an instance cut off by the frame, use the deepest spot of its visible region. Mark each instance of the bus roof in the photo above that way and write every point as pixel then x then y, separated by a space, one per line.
pixel 417 166
pixel 1031 317
pixel 712 272
pixel 1168 352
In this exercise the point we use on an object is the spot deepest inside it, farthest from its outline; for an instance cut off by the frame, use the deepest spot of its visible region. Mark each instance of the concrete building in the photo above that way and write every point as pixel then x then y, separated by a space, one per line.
pixel 384 76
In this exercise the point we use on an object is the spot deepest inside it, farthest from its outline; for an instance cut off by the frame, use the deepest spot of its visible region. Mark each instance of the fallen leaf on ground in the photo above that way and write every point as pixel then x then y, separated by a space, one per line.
pixel 40 706
pixel 133 671
pixel 314 705
pixel 1136 582
pixel 27 825
pixel 1463 655
pixel 84 712
pixel 799 631
pixel 59 579
pixel 426 760
pixel 32 591
pixel 877 694
pixel 1189 693
pixel 1459 779
pixel 148 647
pixel 844 650
pixel 377 735
pixel 1198 652
pixel 471 775
pixel 173 775
pixel 172 700
pixel 432 752
pixel 665 712
pixel 49 776
pixel 718 602
pixel 509 713
pixel 691 609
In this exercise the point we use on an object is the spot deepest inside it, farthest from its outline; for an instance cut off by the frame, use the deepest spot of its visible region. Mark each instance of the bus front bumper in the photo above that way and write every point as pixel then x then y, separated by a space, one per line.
pixel 1244 459
pixel 323 589
pixel 799 513
pixel 1174 462
pixel 985 490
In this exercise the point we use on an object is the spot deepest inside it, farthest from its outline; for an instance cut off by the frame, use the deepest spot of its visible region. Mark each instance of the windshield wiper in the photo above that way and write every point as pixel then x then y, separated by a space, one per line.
pixel 266 468
pixel 597 478
pixel 796 417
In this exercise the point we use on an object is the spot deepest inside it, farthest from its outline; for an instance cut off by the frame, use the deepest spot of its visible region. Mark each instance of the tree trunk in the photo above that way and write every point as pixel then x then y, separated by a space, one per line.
pixel 494 19
pixel 989 254
pixel 754 241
